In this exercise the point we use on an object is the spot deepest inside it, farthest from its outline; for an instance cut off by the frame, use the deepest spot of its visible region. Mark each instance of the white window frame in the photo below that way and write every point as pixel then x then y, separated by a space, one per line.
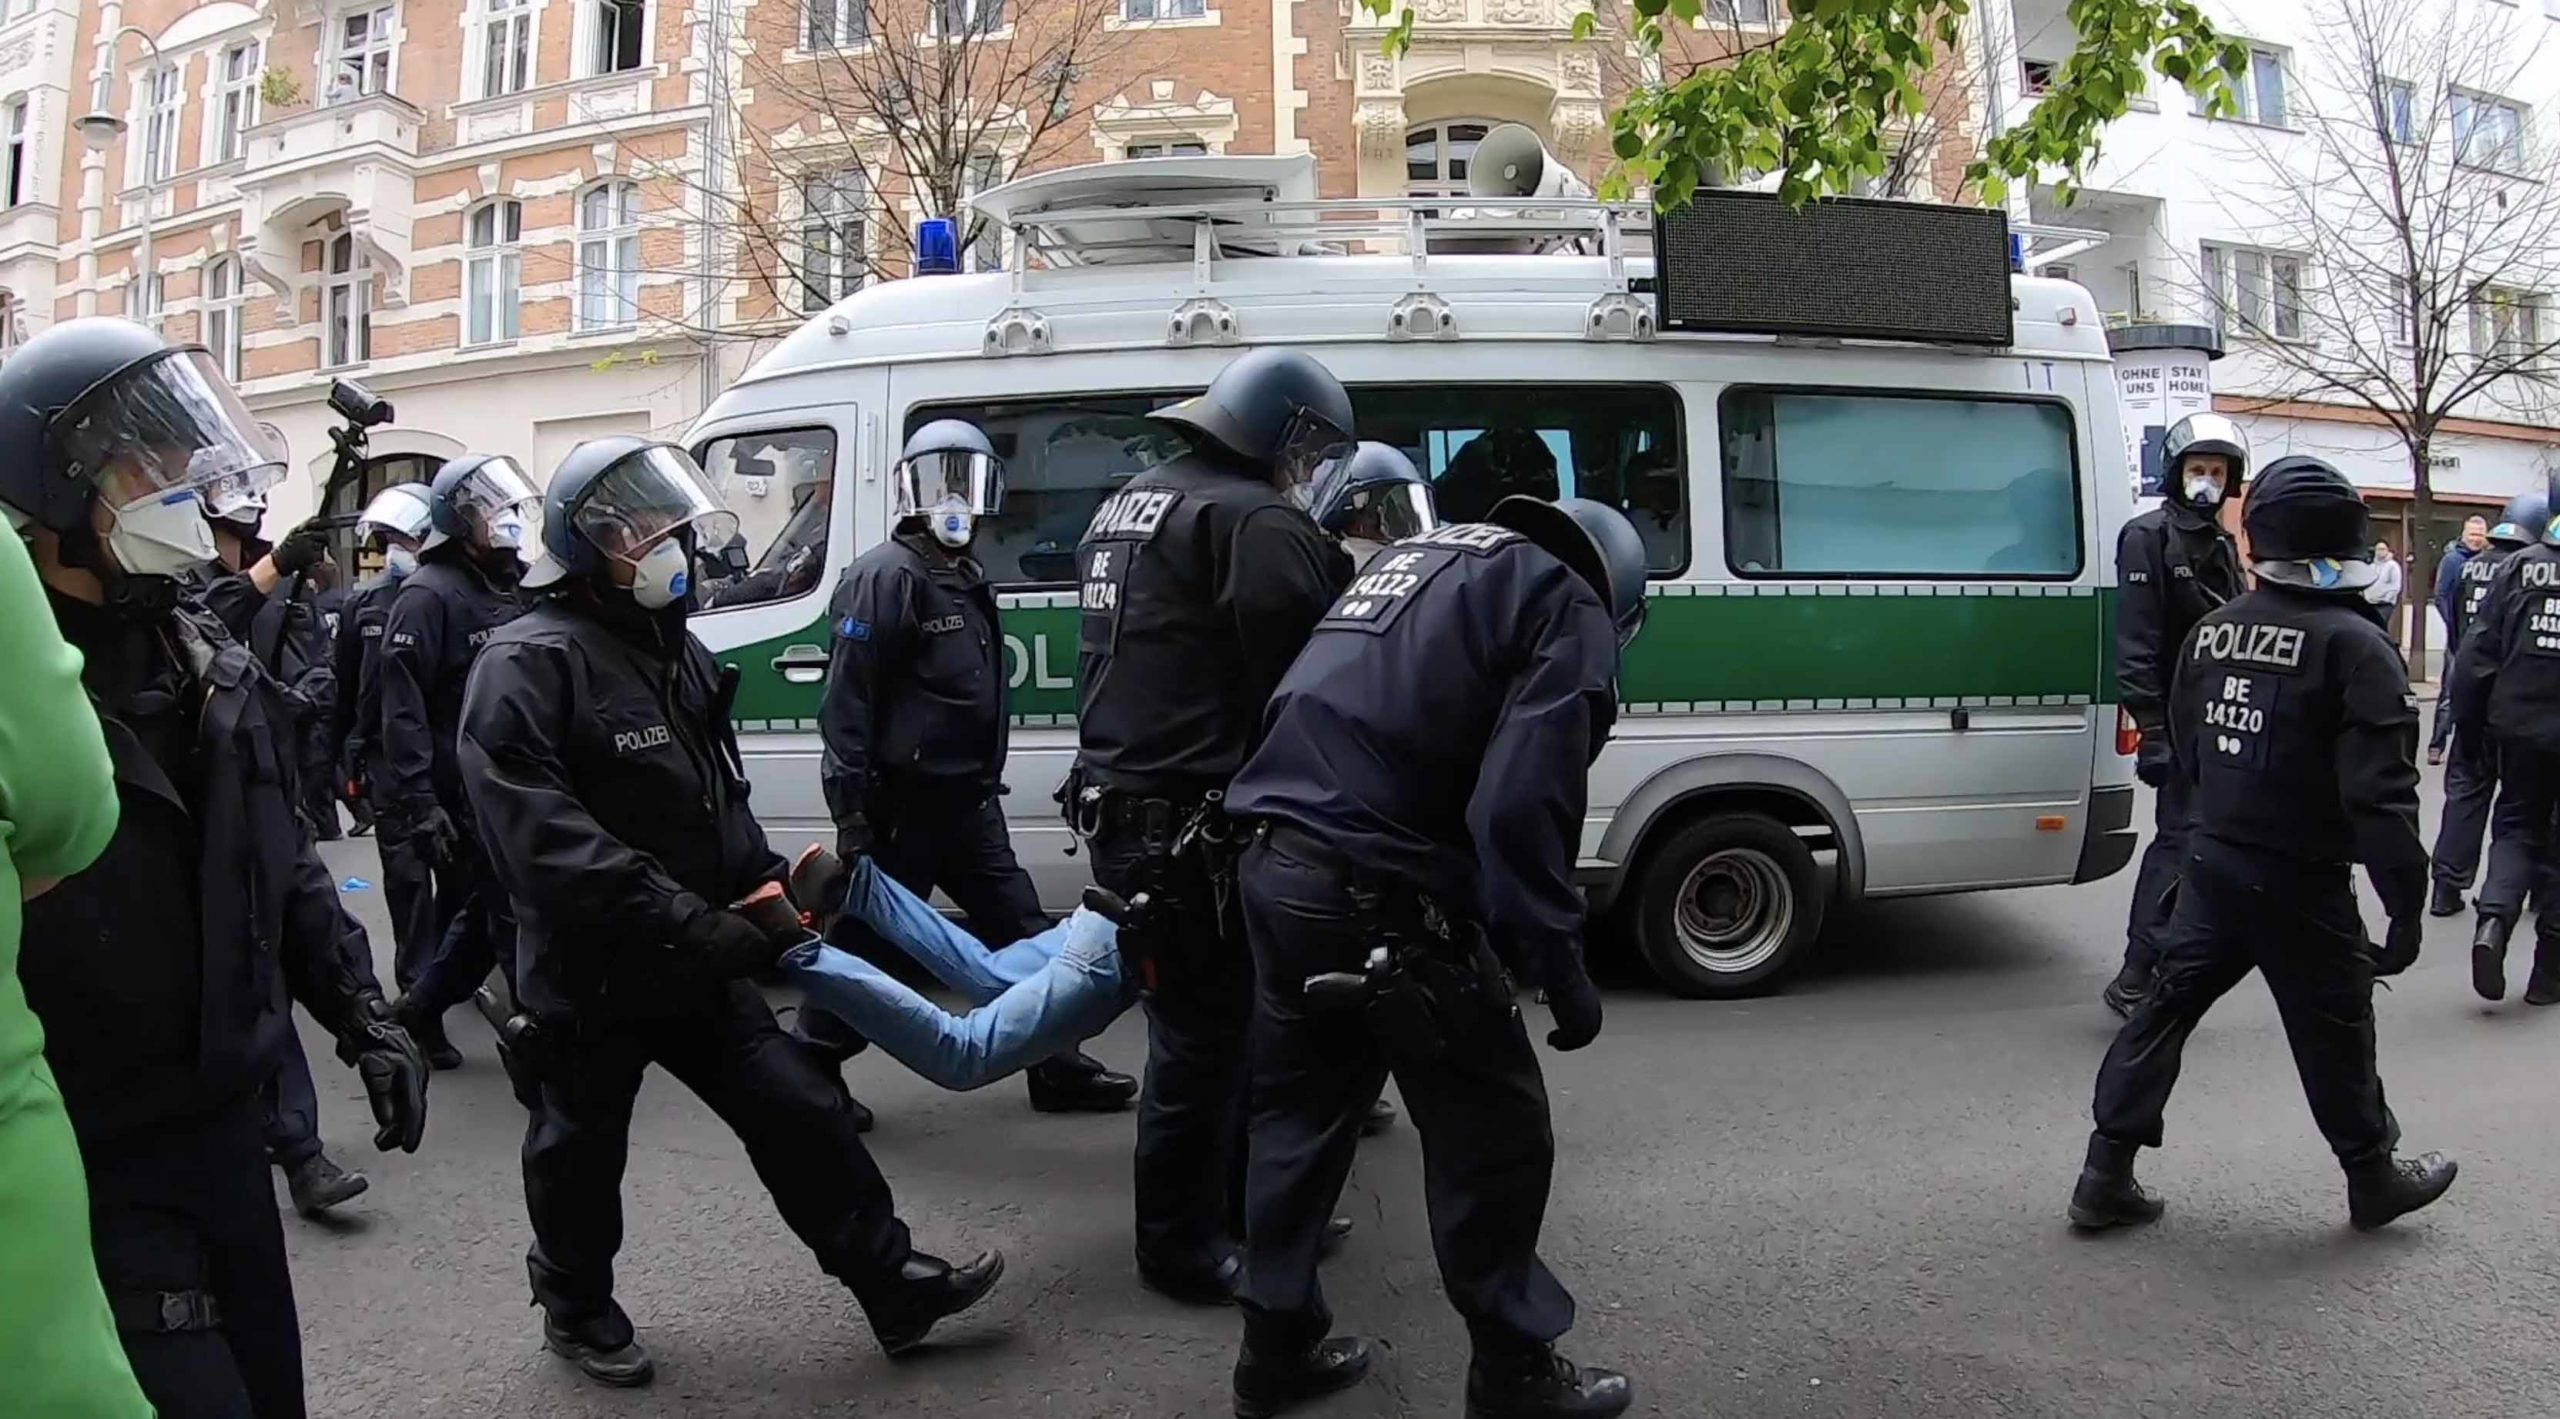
pixel 2508 323
pixel 346 300
pixel 2248 283
pixel 1757 13
pixel 607 289
pixel 221 303
pixel 1441 184
pixel 492 272
pixel 232 106
pixel 1164 148
pixel 163 90
pixel 1145 12
pixel 834 204
pixel 2508 156
pixel 2399 111
pixel 505 50
pixel 13 321
pixel 372 68
pixel 983 171
pixel 975 15
pixel 596 20
pixel 2263 59
pixel 16 173
pixel 847 24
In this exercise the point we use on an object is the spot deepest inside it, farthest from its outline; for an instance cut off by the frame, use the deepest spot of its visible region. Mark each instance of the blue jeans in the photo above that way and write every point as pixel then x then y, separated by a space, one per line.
pixel 1034 998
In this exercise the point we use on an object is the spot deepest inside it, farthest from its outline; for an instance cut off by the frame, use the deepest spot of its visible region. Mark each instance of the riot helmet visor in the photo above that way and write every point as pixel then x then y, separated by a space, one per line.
pixel 949 480
pixel 646 495
pixel 163 426
pixel 1307 443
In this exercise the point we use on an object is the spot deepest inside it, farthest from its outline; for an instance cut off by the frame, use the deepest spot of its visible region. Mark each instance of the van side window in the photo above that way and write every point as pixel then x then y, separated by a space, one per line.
pixel 781 485
pixel 1829 484
pixel 1619 444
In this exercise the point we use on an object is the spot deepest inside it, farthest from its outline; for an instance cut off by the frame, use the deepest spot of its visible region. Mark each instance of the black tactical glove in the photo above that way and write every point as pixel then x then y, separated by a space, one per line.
pixel 853 839
pixel 431 828
pixel 300 551
pixel 1575 1004
pixel 2151 761
pixel 394 1075
pixel 2399 946
pixel 731 947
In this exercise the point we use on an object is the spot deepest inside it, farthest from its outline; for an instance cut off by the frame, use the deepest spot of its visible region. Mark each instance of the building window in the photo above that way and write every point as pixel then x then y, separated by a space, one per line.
pixel 2507 326
pixel 2488 132
pixel 2253 293
pixel 617 34
pixel 2399 111
pixel 966 17
pixel 135 306
pixel 1986 487
pixel 832 253
pixel 608 257
pixel 1163 9
pixel 1740 12
pixel 2258 94
pixel 160 125
pixel 345 320
pixel 13 315
pixel 361 62
pixel 2035 76
pixel 1436 158
pixel 985 171
pixel 16 158
pixel 1176 148
pixel 491 272
pixel 222 305
pixel 236 99
pixel 834 24
pixel 506 47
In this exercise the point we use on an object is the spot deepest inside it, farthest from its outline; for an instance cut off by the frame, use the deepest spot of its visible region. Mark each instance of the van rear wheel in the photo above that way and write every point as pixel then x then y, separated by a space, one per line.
pixel 1727 906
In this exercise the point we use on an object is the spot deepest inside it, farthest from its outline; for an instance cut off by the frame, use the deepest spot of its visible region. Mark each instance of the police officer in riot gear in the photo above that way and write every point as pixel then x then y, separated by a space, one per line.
pixel 600 761
pixel 481 511
pixel 1417 803
pixel 396 521
pixel 2471 775
pixel 2175 563
pixel 1201 579
pixel 2293 726
pixel 1371 499
pixel 2506 695
pixel 165 973
pixel 914 723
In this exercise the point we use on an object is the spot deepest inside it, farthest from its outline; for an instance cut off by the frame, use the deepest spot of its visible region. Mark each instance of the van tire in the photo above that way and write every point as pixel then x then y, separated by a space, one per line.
pixel 1726 906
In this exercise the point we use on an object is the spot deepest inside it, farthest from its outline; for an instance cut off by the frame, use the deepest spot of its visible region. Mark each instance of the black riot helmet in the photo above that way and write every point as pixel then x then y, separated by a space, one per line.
pixel 101 407
pixel 1278 410
pixel 486 493
pixel 634 501
pixel 2525 520
pixel 2202 433
pixel 2303 510
pixel 1593 539
pixel 1375 495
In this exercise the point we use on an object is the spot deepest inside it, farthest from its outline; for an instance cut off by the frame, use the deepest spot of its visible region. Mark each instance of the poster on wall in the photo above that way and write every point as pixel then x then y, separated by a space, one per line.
pixel 2158 387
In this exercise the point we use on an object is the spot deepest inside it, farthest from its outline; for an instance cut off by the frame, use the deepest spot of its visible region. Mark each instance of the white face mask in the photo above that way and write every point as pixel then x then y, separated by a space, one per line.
pixel 953 528
pixel 162 534
pixel 400 561
pixel 2203 490
pixel 506 531
pixel 662 575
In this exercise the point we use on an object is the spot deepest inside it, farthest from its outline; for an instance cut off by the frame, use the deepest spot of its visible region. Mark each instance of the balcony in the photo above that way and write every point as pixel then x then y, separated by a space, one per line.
pixel 355 160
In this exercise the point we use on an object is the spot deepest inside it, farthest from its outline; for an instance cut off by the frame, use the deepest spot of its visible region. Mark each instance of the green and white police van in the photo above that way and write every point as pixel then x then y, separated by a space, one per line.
pixel 1877 662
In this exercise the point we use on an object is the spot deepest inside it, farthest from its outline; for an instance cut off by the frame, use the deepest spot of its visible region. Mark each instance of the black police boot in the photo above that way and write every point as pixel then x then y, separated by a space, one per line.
pixel 1337 1230
pixel 2380 1189
pixel 2124 994
pixel 1541 1384
pixel 1380 1117
pixel 1216 1287
pixel 2107 1195
pixel 602 1347
pixel 1076 1083
pixel 928 1290
pixel 1266 1385
pixel 2544 986
pixel 428 1031
pixel 317 1184
pixel 2445 900
pixel 2489 957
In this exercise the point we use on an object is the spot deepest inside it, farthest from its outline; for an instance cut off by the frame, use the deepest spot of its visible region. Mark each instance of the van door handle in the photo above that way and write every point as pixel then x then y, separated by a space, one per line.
pixel 801 664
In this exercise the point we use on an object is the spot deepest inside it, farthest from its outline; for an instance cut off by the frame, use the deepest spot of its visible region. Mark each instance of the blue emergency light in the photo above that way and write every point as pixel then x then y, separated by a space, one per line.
pixel 2017 251
pixel 937 247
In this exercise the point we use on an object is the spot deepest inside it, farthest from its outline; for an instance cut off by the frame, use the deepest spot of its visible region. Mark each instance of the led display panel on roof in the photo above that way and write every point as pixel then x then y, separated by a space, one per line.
pixel 1742 263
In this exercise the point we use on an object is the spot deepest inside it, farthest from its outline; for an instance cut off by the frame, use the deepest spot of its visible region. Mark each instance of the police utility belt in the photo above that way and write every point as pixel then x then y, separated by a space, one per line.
pixel 1186 841
pixel 1429 980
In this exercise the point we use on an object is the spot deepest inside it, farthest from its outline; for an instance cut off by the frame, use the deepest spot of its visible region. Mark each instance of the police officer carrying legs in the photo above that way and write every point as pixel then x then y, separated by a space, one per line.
pixel 1200 580
pixel 2471 776
pixel 2293 725
pixel 396 522
pixel 2176 563
pixel 165 974
pixel 2506 694
pixel 1418 799
pixel 597 746
pixel 478 519
pixel 915 727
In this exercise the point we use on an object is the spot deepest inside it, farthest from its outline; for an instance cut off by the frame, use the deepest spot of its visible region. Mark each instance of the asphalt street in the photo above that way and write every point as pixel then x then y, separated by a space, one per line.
pixel 1843 1200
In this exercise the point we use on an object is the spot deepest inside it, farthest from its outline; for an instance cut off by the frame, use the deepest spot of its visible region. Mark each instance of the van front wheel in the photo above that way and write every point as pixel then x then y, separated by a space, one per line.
pixel 1727 906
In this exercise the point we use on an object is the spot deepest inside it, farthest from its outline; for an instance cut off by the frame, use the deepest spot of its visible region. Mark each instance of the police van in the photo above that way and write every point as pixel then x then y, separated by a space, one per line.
pixel 1877 660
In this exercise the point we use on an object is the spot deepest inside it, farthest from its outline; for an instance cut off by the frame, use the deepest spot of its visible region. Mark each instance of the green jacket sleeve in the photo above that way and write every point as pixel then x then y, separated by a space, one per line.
pixel 57 788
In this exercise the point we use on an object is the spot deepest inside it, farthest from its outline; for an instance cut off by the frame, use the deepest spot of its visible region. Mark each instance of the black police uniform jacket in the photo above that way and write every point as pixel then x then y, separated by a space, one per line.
pixel 443 614
pixel 915 679
pixel 165 974
pixel 1199 583
pixel 2506 681
pixel 1439 727
pixel 286 629
pixel 355 653
pixel 600 762
pixel 2292 717
pixel 2471 583
pixel 2173 565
